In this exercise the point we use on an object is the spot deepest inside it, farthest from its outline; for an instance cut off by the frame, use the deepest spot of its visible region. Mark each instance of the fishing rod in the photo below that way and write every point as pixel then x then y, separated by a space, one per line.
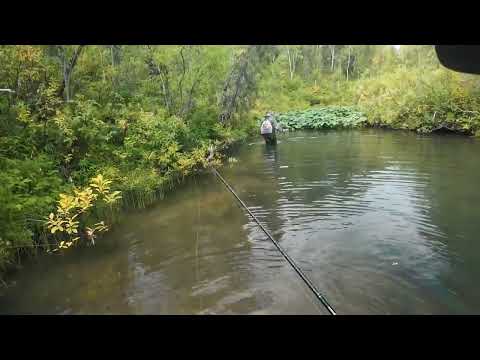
pixel 304 277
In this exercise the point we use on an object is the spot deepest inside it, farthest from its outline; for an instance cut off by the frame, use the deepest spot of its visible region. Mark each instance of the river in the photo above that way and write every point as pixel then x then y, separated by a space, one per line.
pixel 382 222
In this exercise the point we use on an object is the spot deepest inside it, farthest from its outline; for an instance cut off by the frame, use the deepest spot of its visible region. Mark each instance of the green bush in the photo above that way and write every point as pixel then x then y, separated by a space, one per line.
pixel 28 192
pixel 331 117
pixel 420 100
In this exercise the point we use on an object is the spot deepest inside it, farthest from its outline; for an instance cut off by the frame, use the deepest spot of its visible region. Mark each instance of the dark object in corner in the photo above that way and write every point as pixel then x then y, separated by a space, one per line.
pixel 461 58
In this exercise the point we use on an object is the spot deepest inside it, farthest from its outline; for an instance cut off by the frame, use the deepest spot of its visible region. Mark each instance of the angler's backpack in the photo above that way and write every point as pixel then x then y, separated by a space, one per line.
pixel 266 127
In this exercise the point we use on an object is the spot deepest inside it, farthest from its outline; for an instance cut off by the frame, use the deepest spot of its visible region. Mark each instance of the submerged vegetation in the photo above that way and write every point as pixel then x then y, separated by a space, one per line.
pixel 85 130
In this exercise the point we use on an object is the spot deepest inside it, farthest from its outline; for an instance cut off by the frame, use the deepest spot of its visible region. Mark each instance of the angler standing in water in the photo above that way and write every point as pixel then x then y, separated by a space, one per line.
pixel 269 129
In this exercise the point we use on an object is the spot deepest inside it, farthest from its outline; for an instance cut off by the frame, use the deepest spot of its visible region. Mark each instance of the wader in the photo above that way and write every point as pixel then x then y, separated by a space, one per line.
pixel 270 139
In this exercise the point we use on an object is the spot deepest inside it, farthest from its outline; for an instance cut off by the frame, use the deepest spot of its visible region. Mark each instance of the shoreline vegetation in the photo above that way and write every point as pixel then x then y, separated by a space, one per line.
pixel 89 131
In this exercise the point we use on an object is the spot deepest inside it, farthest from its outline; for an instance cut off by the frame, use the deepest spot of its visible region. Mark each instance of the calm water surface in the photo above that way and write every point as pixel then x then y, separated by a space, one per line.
pixel 383 222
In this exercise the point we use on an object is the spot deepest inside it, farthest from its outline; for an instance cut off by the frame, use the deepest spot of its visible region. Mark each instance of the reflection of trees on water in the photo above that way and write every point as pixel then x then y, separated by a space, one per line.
pixel 83 281
pixel 454 175
pixel 192 250
pixel 201 258
pixel 263 173
pixel 350 167
pixel 183 256
pixel 410 178
pixel 436 174
pixel 255 179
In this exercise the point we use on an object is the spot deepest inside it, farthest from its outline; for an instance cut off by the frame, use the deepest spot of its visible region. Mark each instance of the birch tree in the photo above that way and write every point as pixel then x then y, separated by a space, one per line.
pixel 68 60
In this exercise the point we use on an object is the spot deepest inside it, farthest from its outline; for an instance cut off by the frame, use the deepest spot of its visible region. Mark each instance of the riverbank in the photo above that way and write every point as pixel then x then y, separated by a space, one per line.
pixel 139 186
pixel 350 117
pixel 139 117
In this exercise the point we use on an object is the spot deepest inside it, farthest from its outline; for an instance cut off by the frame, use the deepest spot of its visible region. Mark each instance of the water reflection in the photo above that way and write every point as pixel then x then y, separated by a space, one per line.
pixel 359 211
pixel 383 222
pixel 194 253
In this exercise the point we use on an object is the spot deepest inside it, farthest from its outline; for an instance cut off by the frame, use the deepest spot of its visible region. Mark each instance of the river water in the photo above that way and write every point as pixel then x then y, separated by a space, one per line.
pixel 382 222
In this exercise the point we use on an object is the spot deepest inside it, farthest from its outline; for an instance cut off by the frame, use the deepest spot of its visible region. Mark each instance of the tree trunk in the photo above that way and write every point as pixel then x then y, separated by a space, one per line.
pixel 184 70
pixel 229 99
pixel 294 62
pixel 161 70
pixel 319 60
pixel 115 50
pixel 101 64
pixel 67 87
pixel 348 60
pixel 290 66
pixel 189 104
pixel 68 67
pixel 240 84
pixel 332 51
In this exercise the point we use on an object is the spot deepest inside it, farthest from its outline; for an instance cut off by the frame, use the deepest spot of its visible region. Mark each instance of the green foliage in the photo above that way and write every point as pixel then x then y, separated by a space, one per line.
pixel 418 100
pixel 332 117
pixel 29 188
pixel 405 90
pixel 143 116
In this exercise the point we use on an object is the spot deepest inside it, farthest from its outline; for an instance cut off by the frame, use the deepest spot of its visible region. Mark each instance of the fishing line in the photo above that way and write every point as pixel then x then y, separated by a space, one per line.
pixel 304 277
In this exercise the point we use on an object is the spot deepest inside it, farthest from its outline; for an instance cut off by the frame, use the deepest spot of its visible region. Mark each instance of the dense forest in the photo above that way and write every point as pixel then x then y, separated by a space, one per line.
pixel 87 130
